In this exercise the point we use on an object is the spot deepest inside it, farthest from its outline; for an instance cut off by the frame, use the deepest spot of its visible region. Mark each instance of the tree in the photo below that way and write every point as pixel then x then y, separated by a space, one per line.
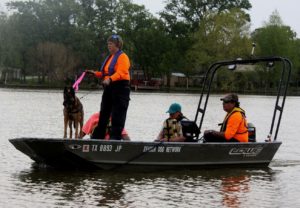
pixel 18 36
pixel 221 36
pixel 296 62
pixel 146 39
pixel 184 16
pixel 274 39
pixel 54 61
pixel 48 21
pixel 33 22
pixel 3 45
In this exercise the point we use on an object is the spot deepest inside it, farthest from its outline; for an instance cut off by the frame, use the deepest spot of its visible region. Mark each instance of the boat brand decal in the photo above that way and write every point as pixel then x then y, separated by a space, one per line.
pixel 246 151
pixel 74 146
pixel 161 149
pixel 86 148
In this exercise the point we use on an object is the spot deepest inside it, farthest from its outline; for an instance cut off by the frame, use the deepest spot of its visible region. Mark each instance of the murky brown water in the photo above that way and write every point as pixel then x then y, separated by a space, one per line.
pixel 39 114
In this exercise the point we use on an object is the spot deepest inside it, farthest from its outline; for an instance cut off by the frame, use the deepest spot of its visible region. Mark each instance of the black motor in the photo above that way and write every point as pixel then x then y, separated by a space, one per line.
pixel 190 130
pixel 251 132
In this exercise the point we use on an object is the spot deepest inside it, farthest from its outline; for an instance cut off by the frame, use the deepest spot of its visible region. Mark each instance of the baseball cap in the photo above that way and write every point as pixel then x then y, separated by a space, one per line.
pixel 175 107
pixel 231 97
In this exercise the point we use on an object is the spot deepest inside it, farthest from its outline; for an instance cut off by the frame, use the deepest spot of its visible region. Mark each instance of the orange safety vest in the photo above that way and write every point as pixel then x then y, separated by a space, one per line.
pixel 235 125
pixel 116 67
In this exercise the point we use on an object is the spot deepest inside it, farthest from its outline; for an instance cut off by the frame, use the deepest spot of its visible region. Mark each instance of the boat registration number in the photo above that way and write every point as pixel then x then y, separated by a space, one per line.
pixel 101 148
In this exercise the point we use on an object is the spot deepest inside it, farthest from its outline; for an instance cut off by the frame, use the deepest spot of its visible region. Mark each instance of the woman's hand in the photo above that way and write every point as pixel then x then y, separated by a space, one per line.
pixel 90 72
pixel 106 82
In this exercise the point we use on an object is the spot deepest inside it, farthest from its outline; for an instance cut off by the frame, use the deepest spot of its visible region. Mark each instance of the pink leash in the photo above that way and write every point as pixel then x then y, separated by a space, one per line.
pixel 77 82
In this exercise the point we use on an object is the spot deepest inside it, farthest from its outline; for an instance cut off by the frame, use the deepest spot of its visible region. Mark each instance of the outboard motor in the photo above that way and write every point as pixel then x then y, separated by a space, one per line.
pixel 251 132
pixel 190 130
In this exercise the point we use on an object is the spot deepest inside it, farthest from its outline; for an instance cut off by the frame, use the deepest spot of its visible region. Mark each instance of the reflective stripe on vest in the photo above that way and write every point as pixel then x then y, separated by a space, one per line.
pixel 111 67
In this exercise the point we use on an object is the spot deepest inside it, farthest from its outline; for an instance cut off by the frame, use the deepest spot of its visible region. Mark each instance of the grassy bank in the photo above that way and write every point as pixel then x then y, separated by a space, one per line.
pixel 292 91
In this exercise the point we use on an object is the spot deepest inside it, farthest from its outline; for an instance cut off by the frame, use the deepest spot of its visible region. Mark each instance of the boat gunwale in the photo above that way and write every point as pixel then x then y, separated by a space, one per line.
pixel 137 142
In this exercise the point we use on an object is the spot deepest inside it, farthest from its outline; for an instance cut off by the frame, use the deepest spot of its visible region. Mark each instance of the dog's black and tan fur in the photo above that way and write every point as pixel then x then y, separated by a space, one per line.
pixel 73 113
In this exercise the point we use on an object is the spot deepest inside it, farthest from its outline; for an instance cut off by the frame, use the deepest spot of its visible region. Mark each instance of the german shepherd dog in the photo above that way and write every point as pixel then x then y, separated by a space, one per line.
pixel 73 112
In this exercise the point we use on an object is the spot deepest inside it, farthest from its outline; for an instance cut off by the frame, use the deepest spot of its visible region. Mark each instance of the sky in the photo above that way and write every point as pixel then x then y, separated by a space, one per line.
pixel 260 12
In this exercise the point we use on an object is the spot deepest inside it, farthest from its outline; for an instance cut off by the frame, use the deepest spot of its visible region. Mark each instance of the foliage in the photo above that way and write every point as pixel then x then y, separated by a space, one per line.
pixel 220 36
pixel 276 39
pixel 53 61
pixel 183 18
pixel 52 39
pixel 185 15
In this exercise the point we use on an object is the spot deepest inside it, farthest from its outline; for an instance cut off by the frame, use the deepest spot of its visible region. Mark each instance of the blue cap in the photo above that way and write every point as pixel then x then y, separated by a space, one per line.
pixel 175 107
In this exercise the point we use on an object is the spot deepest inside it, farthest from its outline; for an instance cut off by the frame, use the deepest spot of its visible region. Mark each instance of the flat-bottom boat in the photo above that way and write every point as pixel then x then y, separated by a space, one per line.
pixel 109 155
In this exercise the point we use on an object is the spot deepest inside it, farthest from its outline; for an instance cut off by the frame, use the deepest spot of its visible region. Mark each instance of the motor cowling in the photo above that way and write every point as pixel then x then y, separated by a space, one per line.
pixel 251 132
pixel 190 130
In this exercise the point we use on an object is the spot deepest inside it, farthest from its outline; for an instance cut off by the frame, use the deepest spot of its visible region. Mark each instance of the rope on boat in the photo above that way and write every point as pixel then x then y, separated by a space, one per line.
pixel 137 156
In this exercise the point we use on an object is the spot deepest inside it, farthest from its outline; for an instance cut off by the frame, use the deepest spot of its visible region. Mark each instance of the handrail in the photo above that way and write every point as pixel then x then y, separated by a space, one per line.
pixel 282 88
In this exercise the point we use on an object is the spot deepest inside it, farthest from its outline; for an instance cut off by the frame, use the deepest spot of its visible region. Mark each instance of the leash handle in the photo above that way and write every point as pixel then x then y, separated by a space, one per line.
pixel 78 81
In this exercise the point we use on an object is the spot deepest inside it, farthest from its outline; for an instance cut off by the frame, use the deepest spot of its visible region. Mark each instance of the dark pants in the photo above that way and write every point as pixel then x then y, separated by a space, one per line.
pixel 209 137
pixel 115 101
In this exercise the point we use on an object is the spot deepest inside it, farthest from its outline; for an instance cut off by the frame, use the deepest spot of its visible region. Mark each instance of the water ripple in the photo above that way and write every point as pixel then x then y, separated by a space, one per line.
pixel 23 184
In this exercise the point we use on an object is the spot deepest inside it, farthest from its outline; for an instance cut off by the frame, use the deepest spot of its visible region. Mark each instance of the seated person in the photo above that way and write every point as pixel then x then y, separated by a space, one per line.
pixel 234 127
pixel 91 124
pixel 172 129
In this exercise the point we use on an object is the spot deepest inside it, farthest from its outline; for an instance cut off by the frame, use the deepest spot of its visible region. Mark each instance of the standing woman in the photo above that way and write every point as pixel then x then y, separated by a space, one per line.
pixel 115 99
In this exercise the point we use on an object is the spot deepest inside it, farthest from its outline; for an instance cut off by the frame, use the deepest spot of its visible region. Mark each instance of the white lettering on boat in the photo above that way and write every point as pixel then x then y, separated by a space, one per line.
pixel 105 148
pixel 100 148
pixel 86 148
pixel 149 149
pixel 161 149
pixel 173 149
pixel 118 148
pixel 246 151
pixel 94 148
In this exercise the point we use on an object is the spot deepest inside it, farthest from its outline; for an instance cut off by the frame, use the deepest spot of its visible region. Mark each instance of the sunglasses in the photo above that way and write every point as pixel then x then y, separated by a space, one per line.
pixel 116 37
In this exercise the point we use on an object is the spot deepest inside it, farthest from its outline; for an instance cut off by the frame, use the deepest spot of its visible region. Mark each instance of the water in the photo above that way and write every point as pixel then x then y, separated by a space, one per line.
pixel 26 113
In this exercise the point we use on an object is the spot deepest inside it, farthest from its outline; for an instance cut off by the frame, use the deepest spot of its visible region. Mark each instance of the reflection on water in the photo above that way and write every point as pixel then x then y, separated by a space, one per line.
pixel 207 188
pixel 232 187
pixel 24 185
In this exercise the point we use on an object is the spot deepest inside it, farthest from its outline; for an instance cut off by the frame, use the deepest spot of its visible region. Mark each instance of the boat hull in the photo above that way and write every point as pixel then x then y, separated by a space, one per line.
pixel 108 155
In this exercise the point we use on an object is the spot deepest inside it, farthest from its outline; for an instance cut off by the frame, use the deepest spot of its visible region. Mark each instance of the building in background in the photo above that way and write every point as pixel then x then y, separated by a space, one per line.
pixel 8 74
